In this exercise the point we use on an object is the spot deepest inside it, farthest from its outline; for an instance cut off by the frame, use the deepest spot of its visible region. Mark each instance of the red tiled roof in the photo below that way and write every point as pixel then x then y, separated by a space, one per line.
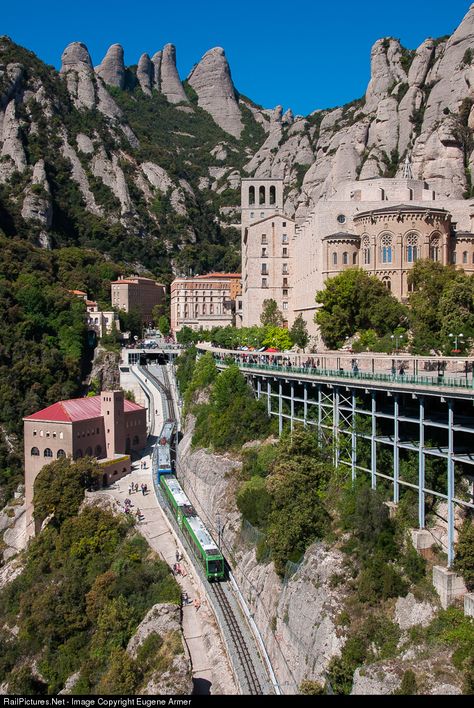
pixel 77 409
pixel 220 275
pixel 77 292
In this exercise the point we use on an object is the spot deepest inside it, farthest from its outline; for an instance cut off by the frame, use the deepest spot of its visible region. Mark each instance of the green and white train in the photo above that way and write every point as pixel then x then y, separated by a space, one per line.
pixel 198 537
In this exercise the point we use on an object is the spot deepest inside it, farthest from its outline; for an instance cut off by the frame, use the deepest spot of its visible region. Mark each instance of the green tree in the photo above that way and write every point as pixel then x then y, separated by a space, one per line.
pixel 254 501
pixel 355 301
pixel 164 326
pixel 271 315
pixel 464 560
pixel 299 332
pixel 187 336
pixel 59 488
pixel 277 338
pixel 131 322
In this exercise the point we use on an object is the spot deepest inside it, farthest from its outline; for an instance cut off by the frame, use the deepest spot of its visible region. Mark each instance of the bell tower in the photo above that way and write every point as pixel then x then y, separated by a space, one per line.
pixel 260 198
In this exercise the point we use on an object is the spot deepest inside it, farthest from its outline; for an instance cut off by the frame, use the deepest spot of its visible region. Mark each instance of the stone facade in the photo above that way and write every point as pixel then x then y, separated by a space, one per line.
pixel 106 427
pixel 137 293
pixel 382 225
pixel 205 301
pixel 101 322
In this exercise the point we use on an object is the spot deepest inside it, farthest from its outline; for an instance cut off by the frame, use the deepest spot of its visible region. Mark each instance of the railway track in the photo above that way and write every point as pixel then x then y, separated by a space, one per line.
pixel 240 646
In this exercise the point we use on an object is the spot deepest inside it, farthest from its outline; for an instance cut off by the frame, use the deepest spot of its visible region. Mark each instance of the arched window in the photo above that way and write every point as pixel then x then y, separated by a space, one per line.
pixel 334 258
pixel 48 452
pixel 366 250
pixel 387 282
pixel 434 248
pixel 386 248
pixel 89 452
pixel 251 195
pixel 35 452
pixel 272 195
pixel 204 309
pixel 78 454
pixel 411 243
pixel 345 258
pixel 261 195
pixel 60 453
pixel 98 451
pixel 127 445
pixel 354 258
pixel 464 257
pixel 136 440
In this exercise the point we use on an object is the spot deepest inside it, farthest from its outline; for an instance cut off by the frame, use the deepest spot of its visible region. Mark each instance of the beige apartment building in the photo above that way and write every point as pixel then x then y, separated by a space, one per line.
pixel 137 293
pixel 107 427
pixel 382 225
pixel 101 322
pixel 204 301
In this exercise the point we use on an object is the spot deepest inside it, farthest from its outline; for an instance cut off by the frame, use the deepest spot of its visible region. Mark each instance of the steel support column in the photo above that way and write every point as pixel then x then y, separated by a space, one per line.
pixel 259 389
pixel 292 405
pixel 396 450
pixel 450 484
pixel 373 444
pixel 335 425
pixel 354 438
pixel 280 409
pixel 269 398
pixel 305 404
pixel 421 466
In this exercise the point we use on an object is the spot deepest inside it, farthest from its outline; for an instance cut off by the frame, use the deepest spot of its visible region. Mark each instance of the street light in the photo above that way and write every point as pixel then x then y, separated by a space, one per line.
pixel 397 338
pixel 456 337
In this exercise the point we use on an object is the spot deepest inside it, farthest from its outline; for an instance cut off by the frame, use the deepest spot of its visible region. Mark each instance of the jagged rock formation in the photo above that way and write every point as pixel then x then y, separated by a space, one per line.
pixel 145 74
pixel 170 82
pixel 37 202
pixel 112 69
pixel 212 81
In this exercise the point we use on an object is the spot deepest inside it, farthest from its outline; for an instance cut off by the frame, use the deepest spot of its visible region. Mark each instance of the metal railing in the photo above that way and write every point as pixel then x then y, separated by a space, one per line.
pixel 407 379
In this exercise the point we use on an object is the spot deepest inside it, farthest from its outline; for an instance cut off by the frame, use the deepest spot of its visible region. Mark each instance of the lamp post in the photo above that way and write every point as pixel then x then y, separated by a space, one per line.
pixel 397 338
pixel 456 337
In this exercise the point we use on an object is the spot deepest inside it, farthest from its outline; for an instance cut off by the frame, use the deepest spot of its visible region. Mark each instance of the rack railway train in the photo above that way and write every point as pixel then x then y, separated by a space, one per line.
pixel 195 532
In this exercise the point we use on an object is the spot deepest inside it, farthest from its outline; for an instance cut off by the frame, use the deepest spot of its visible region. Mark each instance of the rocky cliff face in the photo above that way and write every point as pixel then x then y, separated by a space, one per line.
pixel 297 618
pixel 114 126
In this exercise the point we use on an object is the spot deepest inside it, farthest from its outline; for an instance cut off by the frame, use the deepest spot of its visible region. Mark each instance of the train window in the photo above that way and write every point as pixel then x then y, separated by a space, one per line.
pixel 214 566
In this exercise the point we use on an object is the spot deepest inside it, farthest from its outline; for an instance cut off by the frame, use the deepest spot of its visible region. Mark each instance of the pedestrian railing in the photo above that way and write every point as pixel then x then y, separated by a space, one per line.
pixel 407 379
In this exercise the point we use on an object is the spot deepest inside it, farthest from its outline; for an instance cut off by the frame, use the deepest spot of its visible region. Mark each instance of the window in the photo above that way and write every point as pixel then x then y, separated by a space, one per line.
pixel 284 269
pixel 334 258
pixel 453 258
pixel 34 433
pixel 98 451
pixel 264 253
pixel 272 195
pixel 434 248
pixel 48 452
pixel 285 282
pixel 285 253
pixel 354 258
pixel 47 433
pixel 264 239
pixel 387 282
pixel 264 283
pixel 341 219
pixel 285 305
pixel 78 453
pixel 345 258
pixel 136 440
pixel 386 248
pixel 264 269
pixel 284 238
pixel 35 452
pixel 251 196
pixel 89 452
pixel 284 224
pixel 464 257
pixel 262 214
pixel 411 248
pixel 261 195
pixel 285 292
pixel 60 453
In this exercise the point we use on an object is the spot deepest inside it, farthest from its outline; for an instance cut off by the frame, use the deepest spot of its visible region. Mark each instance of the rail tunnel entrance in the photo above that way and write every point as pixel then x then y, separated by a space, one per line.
pixel 153 358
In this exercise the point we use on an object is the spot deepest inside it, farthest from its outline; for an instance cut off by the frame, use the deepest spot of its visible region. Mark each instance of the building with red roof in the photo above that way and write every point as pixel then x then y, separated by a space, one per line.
pixel 106 427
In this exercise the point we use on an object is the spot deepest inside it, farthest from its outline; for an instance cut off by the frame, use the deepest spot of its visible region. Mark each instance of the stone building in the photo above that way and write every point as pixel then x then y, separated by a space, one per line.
pixel 382 225
pixel 101 322
pixel 107 427
pixel 205 301
pixel 137 293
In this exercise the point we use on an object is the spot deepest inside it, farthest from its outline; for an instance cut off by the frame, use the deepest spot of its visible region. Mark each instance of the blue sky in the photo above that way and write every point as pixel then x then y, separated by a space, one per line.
pixel 303 54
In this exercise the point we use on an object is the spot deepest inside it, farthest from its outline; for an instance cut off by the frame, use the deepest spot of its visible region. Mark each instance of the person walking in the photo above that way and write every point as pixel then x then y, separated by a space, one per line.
pixel 129 489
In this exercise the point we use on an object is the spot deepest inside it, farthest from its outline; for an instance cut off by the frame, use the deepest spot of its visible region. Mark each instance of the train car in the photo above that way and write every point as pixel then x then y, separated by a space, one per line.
pixel 198 537
pixel 162 452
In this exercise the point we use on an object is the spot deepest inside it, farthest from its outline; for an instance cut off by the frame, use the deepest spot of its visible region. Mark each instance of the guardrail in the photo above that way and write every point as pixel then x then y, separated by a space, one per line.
pixel 407 379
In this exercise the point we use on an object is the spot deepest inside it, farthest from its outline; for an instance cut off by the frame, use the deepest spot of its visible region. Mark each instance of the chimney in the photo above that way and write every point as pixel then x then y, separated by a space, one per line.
pixel 112 410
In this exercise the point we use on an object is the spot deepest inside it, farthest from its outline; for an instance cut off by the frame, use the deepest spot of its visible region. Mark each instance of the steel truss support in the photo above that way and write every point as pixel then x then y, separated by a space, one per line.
pixel 396 450
pixel 353 438
pixel 373 444
pixel 450 484
pixel 421 466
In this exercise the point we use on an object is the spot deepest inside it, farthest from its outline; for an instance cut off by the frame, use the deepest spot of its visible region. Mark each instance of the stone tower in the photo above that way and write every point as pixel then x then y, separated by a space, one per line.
pixel 112 409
